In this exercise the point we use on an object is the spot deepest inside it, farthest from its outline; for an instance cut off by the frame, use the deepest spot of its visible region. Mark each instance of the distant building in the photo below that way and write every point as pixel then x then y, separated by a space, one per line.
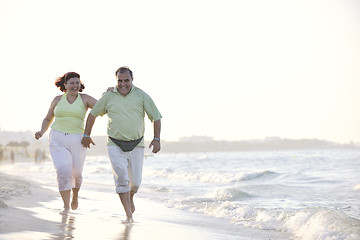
pixel 272 139
pixel 6 137
pixel 196 139
pixel 22 144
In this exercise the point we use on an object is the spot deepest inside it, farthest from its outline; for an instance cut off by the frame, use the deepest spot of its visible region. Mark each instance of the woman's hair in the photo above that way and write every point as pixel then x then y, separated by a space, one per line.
pixel 60 81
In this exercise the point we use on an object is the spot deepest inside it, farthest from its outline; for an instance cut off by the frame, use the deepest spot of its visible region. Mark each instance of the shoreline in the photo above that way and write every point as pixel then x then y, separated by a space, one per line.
pixel 18 196
pixel 34 214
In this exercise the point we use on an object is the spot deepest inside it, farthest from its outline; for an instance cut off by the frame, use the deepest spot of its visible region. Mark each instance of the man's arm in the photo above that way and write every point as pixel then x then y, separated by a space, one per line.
pixel 89 124
pixel 156 141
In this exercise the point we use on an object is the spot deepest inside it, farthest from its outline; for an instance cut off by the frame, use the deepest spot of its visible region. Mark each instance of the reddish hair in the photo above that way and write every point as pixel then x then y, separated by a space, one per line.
pixel 60 81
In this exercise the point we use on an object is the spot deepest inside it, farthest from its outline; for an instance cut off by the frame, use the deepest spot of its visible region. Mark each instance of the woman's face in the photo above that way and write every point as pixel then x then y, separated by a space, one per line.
pixel 72 85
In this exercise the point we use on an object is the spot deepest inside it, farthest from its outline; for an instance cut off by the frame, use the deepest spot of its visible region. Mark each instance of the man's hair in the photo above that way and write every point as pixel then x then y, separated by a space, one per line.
pixel 123 69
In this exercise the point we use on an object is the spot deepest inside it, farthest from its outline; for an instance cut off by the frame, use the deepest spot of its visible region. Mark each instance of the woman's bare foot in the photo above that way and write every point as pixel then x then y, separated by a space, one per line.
pixel 65 211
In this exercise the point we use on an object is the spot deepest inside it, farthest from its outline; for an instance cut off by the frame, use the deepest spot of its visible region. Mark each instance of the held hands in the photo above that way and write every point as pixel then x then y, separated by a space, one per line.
pixel 86 142
pixel 156 146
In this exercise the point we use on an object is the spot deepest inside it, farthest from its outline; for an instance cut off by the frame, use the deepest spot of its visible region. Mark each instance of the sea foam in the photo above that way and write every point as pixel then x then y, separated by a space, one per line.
pixel 209 177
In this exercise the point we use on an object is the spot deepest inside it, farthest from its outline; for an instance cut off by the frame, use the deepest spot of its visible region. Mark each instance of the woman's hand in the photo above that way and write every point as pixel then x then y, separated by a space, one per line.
pixel 38 135
pixel 110 89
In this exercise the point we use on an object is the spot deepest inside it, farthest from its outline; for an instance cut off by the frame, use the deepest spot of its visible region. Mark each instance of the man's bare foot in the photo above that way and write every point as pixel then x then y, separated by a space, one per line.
pixel 74 203
pixel 132 205
pixel 65 212
pixel 128 221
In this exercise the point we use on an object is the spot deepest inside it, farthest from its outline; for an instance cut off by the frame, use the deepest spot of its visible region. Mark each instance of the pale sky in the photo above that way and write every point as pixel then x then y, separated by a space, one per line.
pixel 232 70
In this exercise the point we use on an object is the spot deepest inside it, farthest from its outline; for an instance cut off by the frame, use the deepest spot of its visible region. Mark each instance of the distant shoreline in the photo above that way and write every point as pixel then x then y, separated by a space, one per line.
pixel 230 146
pixel 233 146
pixel 184 145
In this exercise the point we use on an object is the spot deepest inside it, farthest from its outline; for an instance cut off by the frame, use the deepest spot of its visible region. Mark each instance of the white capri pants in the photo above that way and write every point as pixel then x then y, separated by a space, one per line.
pixel 127 168
pixel 68 156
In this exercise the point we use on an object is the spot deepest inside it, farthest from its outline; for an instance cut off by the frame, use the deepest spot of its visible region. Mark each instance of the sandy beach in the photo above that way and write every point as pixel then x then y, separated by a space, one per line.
pixel 245 195
pixel 17 199
pixel 30 211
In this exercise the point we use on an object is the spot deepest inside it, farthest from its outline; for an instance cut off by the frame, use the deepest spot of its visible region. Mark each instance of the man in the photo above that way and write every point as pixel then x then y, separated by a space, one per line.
pixel 126 106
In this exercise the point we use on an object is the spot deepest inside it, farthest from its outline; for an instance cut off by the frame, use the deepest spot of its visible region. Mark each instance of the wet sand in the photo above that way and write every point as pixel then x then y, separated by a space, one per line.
pixel 30 211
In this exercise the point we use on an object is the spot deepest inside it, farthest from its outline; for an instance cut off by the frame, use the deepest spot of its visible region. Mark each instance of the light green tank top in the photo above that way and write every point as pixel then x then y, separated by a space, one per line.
pixel 69 118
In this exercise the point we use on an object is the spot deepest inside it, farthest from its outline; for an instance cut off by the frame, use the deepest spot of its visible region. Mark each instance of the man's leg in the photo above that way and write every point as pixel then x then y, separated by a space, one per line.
pixel 136 159
pixel 125 200
pixel 132 205
pixel 75 202
pixel 119 164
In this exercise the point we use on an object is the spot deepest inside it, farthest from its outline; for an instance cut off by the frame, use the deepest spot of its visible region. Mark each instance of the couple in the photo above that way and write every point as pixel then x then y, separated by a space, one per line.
pixel 126 106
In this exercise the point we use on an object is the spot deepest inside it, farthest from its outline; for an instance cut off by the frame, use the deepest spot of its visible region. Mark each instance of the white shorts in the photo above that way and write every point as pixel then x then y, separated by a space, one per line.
pixel 68 156
pixel 127 168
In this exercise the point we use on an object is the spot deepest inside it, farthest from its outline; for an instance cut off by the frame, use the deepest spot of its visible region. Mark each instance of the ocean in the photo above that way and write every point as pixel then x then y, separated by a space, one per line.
pixel 305 194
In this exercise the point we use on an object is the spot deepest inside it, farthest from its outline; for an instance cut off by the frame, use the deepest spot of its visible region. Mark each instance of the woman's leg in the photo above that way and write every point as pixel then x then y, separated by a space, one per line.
pixel 62 163
pixel 65 195
pixel 78 154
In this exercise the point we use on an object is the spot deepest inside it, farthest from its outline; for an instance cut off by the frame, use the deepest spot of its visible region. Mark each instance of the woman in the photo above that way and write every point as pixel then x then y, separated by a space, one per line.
pixel 66 149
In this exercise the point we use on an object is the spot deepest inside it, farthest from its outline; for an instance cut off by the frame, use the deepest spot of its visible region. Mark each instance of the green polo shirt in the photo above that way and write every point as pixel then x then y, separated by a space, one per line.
pixel 126 114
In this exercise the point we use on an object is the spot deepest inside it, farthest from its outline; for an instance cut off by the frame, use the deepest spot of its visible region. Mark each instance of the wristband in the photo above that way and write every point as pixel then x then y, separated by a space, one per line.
pixel 157 139
pixel 86 135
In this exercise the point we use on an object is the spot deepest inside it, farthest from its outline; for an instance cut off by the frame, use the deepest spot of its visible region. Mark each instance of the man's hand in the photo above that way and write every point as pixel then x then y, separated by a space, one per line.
pixel 156 146
pixel 89 124
pixel 86 142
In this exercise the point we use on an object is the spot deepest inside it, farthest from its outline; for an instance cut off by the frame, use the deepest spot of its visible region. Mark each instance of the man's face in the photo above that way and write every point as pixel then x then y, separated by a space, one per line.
pixel 124 84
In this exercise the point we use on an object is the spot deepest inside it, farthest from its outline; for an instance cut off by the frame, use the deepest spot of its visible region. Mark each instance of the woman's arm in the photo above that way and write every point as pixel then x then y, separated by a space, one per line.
pixel 48 119
pixel 89 101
